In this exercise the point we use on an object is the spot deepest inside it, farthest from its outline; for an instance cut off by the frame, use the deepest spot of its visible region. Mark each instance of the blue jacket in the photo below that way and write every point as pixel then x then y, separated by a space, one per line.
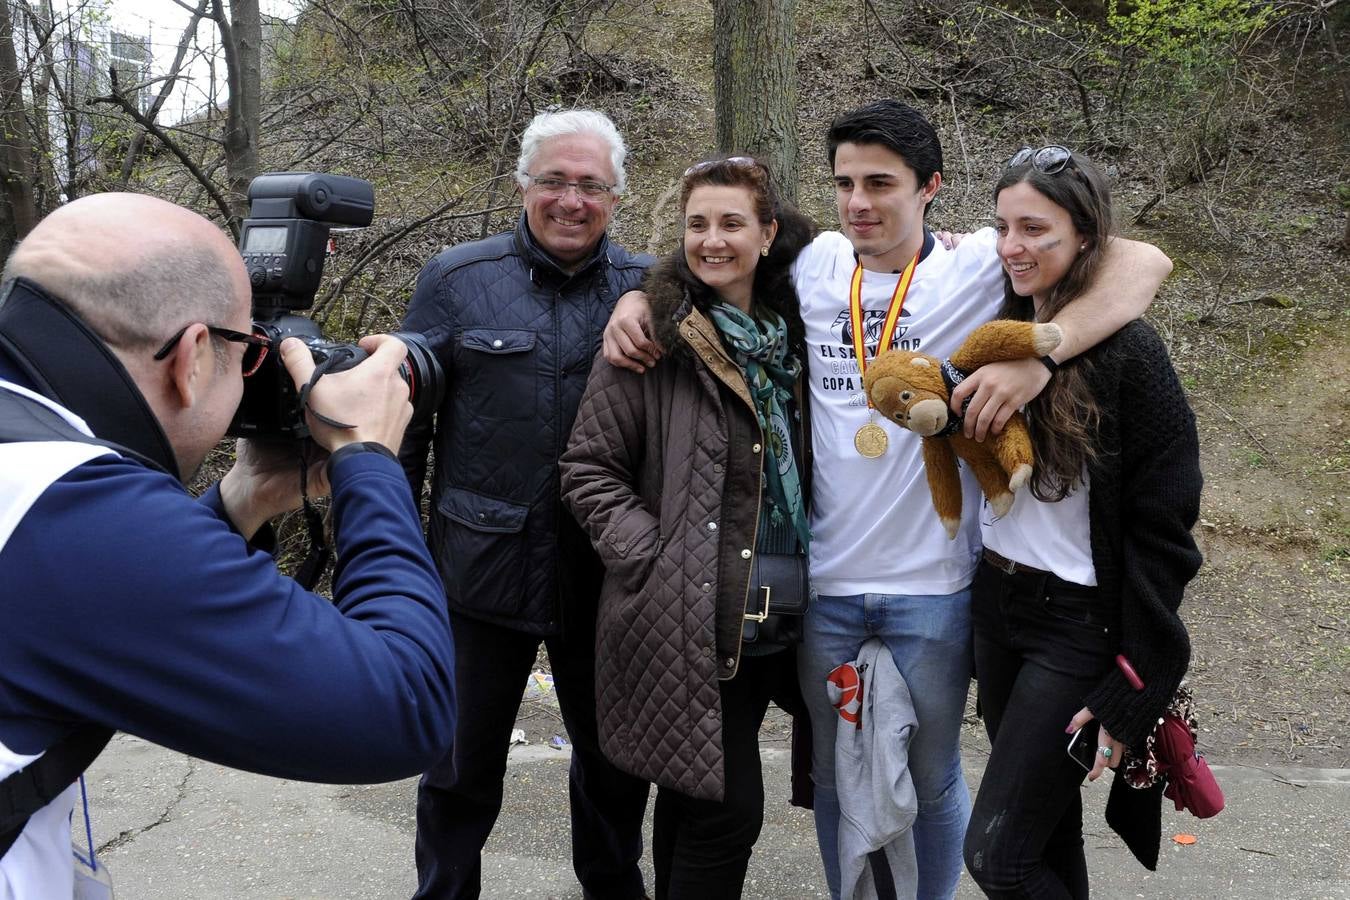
pixel 516 336
pixel 128 604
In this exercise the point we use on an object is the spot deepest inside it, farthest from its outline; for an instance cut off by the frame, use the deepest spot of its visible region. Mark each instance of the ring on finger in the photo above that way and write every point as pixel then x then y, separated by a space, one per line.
pixel 1105 751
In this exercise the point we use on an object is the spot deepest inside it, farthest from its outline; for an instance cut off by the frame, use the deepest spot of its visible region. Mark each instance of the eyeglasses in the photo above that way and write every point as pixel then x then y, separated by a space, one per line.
pixel 1049 160
pixel 747 162
pixel 552 186
pixel 255 350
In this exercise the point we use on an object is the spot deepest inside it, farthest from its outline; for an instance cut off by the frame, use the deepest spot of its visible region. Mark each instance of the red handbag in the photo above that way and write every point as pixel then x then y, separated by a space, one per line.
pixel 1169 755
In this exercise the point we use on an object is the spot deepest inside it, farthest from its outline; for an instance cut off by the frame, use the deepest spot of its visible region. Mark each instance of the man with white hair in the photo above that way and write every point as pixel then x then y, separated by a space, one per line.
pixel 516 320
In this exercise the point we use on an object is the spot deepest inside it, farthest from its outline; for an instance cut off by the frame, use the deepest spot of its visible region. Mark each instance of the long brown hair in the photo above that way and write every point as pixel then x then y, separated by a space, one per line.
pixel 1064 417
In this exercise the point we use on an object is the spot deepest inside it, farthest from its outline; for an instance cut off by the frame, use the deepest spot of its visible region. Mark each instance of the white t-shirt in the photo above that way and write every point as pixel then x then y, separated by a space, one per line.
pixel 1055 537
pixel 873 526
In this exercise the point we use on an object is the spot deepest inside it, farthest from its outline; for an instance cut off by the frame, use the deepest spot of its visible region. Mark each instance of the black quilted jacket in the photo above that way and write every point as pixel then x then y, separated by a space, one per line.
pixel 516 336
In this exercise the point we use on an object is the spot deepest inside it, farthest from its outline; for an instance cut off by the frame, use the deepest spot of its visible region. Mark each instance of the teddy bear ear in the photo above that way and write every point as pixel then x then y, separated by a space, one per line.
pixel 919 361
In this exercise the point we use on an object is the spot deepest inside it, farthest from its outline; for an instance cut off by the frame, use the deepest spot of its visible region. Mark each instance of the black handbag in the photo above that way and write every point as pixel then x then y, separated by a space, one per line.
pixel 778 595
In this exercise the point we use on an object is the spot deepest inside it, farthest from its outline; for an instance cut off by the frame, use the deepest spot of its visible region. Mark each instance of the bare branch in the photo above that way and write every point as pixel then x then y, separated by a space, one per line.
pixel 118 99
pixel 138 142
pixel 338 285
pixel 947 91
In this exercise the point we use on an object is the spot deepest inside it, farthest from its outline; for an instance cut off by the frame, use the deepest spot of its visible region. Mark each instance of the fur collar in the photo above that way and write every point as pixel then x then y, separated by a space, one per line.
pixel 673 296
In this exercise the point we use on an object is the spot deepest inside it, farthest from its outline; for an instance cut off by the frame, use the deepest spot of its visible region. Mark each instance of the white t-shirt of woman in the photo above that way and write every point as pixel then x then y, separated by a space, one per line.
pixel 1054 537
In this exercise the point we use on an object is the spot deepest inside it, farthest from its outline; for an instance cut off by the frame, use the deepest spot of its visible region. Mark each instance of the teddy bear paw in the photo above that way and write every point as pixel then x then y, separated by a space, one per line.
pixel 1001 504
pixel 1046 337
pixel 1020 476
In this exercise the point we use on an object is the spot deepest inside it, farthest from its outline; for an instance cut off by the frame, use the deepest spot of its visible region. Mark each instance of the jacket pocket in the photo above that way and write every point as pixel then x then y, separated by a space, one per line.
pixel 481 551
pixel 630 556
pixel 497 372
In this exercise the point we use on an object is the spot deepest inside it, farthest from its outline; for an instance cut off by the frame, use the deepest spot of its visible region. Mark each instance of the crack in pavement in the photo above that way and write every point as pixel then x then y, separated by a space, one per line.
pixel 130 834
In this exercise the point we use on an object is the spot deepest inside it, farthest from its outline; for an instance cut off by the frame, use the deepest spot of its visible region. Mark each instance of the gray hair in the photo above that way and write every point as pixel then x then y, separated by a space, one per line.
pixel 142 302
pixel 548 125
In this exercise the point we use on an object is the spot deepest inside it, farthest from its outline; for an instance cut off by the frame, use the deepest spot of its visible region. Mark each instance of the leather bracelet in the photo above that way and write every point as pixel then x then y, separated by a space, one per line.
pixel 1050 364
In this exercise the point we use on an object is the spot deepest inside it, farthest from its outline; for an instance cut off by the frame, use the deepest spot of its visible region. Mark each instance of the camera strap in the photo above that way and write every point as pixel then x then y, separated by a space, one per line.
pixel 339 358
pixel 64 360
pixel 320 551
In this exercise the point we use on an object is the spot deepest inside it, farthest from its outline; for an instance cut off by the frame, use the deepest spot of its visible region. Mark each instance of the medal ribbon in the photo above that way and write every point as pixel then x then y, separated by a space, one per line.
pixel 855 313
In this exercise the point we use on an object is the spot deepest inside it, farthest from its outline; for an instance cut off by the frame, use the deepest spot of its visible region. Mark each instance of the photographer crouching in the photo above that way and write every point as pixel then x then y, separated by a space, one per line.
pixel 127 605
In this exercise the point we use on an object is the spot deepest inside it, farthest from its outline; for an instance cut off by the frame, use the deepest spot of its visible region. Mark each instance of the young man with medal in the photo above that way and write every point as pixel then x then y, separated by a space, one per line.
pixel 881 562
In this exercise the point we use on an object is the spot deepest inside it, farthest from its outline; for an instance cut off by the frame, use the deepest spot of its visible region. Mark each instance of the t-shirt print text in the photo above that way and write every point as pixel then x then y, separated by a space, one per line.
pixel 837 367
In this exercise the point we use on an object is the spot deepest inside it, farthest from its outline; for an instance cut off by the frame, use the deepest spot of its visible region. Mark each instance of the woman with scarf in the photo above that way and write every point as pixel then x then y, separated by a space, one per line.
pixel 691 481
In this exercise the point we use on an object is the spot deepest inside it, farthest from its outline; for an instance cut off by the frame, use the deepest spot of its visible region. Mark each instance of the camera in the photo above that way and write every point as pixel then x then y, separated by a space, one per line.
pixel 284 242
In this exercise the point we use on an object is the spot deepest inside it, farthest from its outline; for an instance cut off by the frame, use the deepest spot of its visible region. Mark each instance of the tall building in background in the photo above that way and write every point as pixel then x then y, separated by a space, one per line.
pixel 71 125
pixel 82 63
pixel 129 55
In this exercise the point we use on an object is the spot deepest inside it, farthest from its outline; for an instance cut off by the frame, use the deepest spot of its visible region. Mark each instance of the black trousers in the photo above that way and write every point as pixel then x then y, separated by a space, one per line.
pixel 1041 644
pixel 701 848
pixel 459 799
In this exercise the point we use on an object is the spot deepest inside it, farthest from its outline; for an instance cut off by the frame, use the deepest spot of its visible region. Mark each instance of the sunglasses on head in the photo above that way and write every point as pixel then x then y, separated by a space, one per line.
pixel 745 162
pixel 1049 160
pixel 255 345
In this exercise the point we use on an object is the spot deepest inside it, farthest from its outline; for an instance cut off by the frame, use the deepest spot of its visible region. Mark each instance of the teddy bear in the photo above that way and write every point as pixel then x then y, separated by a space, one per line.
pixel 914 391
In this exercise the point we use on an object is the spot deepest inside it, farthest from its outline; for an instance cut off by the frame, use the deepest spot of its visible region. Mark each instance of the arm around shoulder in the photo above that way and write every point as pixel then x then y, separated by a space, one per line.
pixel 1122 290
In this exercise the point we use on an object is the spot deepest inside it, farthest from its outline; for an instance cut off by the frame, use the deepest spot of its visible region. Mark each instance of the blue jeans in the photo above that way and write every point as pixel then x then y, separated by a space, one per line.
pixel 929 637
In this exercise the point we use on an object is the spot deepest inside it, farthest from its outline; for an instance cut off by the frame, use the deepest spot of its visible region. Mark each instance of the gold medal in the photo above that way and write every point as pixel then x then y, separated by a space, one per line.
pixel 871 440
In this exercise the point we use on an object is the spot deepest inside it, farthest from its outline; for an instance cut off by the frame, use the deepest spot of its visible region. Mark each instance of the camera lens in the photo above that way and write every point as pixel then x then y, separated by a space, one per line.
pixel 422 371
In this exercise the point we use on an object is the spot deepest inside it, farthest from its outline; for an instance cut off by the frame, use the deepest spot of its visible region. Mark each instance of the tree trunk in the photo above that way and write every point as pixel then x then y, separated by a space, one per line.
pixel 241 39
pixel 17 201
pixel 47 195
pixel 755 84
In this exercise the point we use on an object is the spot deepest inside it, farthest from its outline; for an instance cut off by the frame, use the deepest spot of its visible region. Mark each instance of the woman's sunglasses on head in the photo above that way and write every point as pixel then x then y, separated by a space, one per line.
pixel 1049 160
pixel 745 162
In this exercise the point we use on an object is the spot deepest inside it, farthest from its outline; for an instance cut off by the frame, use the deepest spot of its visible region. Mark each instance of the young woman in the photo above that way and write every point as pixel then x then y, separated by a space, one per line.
pixel 1090 563
pixel 688 479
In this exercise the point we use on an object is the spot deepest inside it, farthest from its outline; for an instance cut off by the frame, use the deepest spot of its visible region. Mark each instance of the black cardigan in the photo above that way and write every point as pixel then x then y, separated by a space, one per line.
pixel 1144 498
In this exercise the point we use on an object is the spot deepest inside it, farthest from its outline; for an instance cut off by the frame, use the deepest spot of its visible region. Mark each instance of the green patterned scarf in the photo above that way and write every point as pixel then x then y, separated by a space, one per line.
pixel 761 349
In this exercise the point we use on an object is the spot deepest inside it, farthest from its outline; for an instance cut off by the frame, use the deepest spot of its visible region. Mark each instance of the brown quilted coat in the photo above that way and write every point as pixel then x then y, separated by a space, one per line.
pixel 663 470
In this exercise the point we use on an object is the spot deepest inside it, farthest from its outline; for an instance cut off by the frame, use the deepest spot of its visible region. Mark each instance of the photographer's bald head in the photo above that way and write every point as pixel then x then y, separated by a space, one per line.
pixel 136 270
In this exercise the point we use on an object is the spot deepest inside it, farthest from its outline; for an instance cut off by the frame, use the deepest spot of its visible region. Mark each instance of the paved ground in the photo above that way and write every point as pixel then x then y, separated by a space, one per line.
pixel 176 827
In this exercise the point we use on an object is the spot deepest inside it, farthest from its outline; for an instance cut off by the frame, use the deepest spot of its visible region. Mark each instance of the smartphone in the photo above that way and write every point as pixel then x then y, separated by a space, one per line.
pixel 1082 747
